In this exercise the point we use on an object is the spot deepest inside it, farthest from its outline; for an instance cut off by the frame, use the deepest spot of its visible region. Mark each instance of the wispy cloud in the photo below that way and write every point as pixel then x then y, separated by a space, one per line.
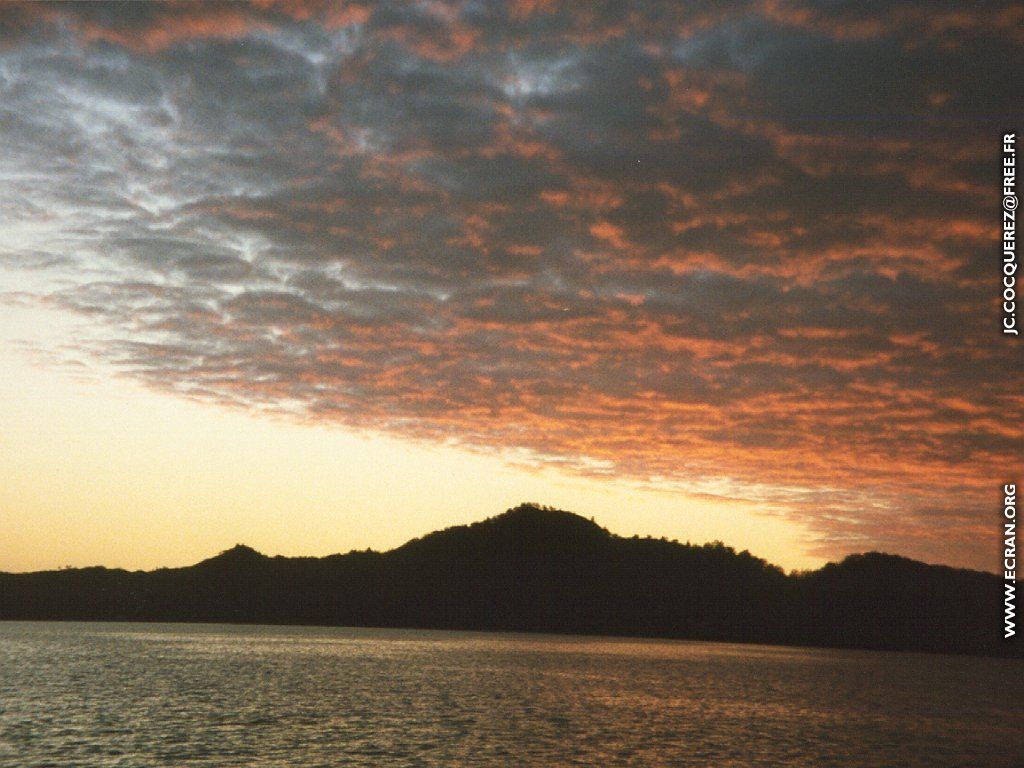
pixel 744 248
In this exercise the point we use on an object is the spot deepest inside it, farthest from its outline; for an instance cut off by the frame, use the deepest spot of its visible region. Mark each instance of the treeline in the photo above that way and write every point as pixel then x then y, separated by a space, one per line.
pixel 537 569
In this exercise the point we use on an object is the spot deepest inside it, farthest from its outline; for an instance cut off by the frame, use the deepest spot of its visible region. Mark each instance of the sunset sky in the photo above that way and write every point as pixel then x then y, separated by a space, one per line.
pixel 317 277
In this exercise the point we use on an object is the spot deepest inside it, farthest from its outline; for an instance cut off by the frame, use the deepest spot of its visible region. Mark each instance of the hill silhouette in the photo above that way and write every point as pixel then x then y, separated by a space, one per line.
pixel 538 569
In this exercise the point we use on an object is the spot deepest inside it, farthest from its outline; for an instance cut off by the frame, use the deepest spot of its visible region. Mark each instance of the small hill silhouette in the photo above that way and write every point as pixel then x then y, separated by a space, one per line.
pixel 535 568
pixel 528 527
pixel 239 556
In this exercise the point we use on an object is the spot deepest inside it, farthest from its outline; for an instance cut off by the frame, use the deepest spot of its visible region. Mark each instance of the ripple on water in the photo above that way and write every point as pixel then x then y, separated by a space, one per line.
pixel 109 695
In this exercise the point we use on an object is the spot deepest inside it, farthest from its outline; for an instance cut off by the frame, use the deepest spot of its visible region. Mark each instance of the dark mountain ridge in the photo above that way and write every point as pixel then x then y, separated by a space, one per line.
pixel 538 569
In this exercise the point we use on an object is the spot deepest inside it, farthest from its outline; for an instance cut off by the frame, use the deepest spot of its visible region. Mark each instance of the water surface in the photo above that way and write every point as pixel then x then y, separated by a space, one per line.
pixel 82 694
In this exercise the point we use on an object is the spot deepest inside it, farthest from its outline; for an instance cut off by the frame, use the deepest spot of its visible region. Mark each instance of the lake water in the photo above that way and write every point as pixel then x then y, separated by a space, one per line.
pixel 76 694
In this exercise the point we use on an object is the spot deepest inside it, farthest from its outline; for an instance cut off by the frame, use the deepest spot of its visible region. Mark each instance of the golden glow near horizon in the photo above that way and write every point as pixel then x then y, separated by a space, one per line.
pixel 100 471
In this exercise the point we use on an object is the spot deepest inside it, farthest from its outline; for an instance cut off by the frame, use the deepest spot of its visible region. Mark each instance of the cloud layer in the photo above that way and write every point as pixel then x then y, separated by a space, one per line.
pixel 747 249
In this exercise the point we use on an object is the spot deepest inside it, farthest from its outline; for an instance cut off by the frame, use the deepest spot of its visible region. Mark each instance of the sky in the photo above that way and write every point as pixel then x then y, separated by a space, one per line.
pixel 324 276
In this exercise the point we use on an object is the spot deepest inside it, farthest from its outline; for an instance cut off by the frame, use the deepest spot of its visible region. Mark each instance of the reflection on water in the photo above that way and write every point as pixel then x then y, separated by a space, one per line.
pixel 206 695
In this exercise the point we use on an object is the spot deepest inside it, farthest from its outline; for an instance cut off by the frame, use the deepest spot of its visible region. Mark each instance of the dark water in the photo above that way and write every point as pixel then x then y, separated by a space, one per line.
pixel 174 695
